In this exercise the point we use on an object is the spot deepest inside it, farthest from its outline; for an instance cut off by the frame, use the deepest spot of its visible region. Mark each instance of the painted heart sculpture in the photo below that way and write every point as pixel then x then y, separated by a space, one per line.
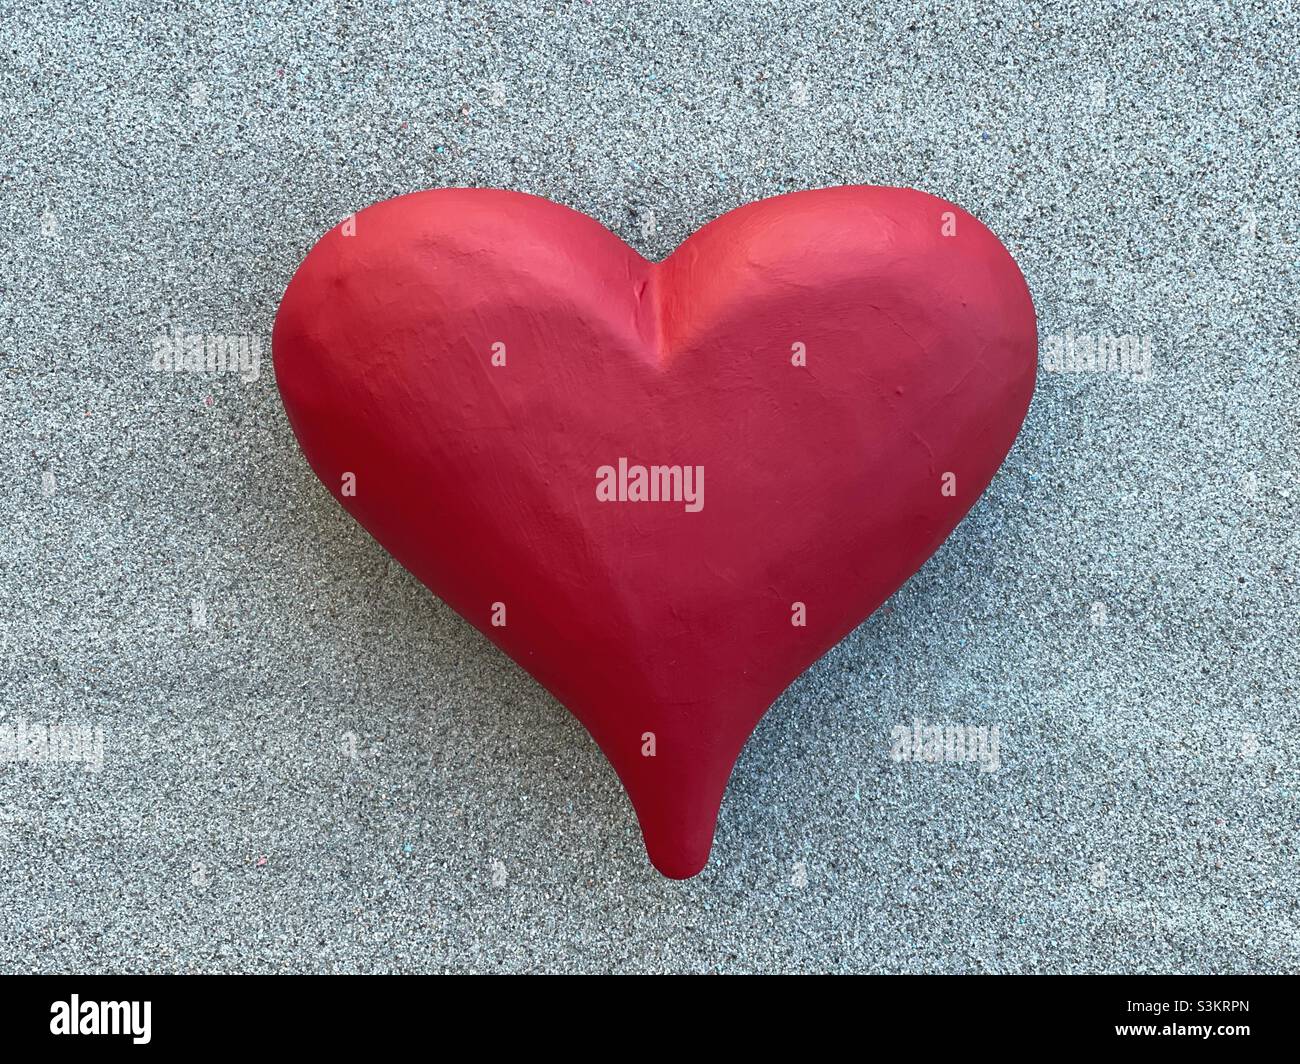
pixel 527 414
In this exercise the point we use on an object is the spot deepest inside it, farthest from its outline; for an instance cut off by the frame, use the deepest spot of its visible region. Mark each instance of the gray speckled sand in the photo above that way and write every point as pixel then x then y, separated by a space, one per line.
pixel 1121 605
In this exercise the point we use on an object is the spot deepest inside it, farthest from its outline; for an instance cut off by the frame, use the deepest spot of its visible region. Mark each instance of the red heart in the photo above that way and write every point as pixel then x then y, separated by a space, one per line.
pixel 849 367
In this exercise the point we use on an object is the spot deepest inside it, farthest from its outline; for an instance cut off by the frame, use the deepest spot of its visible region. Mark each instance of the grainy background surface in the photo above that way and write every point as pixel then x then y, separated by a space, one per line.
pixel 1121 604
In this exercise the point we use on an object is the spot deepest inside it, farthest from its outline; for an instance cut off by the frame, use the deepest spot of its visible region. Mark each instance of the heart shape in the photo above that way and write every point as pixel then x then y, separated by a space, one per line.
pixel 525 412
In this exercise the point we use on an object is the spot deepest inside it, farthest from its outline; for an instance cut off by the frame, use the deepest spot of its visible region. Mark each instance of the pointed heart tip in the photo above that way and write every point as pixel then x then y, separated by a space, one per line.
pixel 678 864
pixel 678 835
